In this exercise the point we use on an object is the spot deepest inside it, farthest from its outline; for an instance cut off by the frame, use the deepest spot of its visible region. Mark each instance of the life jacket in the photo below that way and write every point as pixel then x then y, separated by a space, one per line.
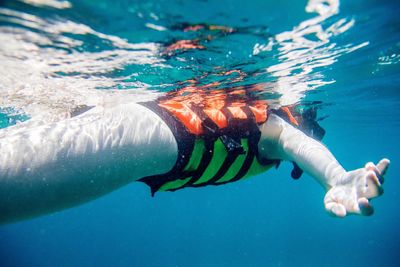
pixel 217 140
pixel 217 137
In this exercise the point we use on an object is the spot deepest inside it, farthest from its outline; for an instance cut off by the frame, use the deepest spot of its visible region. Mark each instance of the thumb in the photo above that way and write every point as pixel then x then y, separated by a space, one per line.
pixel 365 207
pixel 335 209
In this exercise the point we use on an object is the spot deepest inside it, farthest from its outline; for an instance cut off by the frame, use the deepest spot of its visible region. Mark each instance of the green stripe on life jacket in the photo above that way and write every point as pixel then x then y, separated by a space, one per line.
pixel 196 156
pixel 219 156
pixel 256 168
pixel 192 165
pixel 173 185
pixel 216 157
pixel 236 165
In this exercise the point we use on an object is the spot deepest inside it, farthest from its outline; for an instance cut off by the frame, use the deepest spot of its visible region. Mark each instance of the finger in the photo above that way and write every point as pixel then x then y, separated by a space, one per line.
pixel 383 165
pixel 336 209
pixel 372 167
pixel 365 207
pixel 373 185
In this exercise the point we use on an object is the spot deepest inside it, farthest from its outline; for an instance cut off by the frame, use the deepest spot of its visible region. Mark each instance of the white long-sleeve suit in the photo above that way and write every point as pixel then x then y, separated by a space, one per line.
pixel 49 167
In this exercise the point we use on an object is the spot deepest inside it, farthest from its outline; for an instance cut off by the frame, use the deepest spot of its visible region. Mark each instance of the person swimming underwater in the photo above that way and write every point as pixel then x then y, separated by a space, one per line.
pixel 188 138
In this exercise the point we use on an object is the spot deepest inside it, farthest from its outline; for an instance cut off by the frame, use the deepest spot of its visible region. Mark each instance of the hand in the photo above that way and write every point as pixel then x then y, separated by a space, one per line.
pixel 352 192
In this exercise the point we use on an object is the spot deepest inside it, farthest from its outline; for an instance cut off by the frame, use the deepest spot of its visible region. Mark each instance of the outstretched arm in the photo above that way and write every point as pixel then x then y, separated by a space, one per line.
pixel 347 191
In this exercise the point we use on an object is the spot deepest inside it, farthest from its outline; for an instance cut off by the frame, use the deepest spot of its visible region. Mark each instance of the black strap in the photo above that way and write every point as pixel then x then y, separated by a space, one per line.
pixel 231 140
pixel 211 133
pixel 296 171
pixel 229 136
pixel 253 139
pixel 185 142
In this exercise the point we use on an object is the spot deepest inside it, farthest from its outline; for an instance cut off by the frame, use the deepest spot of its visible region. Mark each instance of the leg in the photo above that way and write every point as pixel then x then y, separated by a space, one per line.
pixel 347 191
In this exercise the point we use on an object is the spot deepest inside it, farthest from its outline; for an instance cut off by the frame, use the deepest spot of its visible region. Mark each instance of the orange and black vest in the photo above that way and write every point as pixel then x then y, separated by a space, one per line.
pixel 217 141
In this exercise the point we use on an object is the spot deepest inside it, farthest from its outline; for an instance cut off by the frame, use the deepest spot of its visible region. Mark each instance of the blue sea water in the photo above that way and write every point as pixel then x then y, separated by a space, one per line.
pixel 351 73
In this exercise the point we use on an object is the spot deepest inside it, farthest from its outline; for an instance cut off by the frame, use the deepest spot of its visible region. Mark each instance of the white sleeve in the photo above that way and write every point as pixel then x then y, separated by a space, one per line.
pixel 288 143
pixel 49 167
pixel 347 191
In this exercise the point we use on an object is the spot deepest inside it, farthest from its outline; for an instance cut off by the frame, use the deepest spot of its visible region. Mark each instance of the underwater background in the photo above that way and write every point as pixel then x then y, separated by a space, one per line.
pixel 341 57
